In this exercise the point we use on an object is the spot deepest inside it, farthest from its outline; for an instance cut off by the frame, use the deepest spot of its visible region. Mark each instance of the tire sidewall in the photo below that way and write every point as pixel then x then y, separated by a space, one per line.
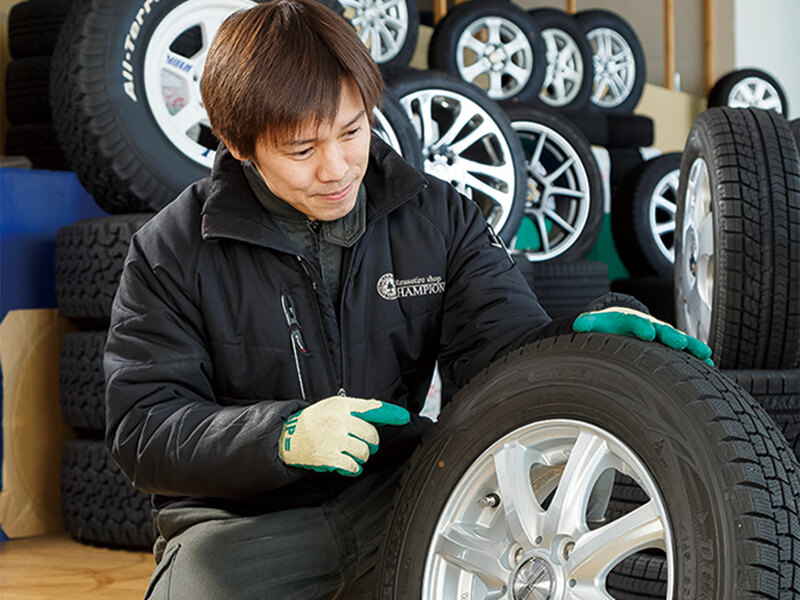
pixel 626 401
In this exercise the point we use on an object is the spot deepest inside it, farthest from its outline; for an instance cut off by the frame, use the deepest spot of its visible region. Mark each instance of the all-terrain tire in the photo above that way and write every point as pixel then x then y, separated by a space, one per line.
pixel 98 503
pixel 728 483
pixel 81 384
pixel 89 257
pixel 746 304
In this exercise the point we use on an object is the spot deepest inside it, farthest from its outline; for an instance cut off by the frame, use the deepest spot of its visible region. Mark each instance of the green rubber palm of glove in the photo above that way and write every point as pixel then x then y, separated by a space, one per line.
pixel 337 434
pixel 625 321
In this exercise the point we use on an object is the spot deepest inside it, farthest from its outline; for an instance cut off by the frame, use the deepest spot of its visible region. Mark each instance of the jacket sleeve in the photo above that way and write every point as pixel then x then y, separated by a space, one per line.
pixel 164 426
pixel 489 308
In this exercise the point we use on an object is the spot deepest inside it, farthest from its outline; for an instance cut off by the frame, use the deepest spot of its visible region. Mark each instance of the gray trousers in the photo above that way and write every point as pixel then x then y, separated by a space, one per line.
pixel 321 552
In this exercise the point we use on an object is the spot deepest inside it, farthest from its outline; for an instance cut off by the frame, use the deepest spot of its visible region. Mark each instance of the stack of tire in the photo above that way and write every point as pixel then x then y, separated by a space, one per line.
pixel 33 27
pixel 541 67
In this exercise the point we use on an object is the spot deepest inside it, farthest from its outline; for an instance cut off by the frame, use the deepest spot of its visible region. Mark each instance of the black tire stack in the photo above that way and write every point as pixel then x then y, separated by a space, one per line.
pixel 33 27
pixel 99 505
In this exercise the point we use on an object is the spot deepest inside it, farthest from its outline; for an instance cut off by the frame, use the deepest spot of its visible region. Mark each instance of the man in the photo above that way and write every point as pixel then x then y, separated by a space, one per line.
pixel 279 322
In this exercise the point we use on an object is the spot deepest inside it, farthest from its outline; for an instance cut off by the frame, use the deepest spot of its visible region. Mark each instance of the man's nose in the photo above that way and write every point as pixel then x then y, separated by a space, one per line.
pixel 333 166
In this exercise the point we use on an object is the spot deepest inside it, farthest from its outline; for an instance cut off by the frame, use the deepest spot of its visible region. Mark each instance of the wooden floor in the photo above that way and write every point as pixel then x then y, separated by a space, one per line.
pixel 55 566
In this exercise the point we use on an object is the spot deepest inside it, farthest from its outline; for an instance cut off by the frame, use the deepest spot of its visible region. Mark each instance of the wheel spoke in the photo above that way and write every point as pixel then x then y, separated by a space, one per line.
pixel 663 228
pixel 597 552
pixel 187 117
pixel 515 45
pixel 558 220
pixel 472 72
pixel 481 131
pixel 481 186
pixel 551 177
pixel 495 83
pixel 562 191
pixel 567 512
pixel 493 25
pixel 666 205
pixel 544 235
pixel 522 510
pixel 472 550
pixel 474 44
pixel 519 74
pixel 705 237
pixel 500 172
pixel 537 152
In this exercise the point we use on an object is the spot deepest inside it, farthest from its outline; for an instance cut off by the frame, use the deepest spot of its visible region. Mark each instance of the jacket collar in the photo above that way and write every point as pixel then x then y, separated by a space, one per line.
pixel 231 209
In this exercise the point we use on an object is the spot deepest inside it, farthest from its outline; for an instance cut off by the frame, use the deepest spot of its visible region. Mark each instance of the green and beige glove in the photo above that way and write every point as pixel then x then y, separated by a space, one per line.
pixel 625 321
pixel 337 434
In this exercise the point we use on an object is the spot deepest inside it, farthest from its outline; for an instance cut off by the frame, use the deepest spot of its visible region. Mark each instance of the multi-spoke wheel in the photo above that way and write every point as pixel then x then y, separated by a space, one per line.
pixel 618 60
pixel 735 275
pixel 643 216
pixel 568 77
pixel 507 498
pixel 391 124
pixel 492 44
pixel 387 27
pixel 563 211
pixel 749 88
pixel 468 141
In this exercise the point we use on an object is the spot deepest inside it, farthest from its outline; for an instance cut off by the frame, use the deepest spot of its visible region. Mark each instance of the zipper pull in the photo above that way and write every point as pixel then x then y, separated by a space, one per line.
pixel 308 273
pixel 342 393
pixel 293 323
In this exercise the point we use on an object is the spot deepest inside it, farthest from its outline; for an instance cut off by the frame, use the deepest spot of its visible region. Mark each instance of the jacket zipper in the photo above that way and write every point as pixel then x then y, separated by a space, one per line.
pixel 318 315
pixel 298 345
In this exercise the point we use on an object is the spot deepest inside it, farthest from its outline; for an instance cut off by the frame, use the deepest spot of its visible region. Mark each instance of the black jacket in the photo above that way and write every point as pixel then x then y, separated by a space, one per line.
pixel 199 362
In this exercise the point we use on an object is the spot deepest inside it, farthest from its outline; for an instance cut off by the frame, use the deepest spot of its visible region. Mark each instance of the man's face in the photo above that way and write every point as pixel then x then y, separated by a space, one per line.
pixel 320 170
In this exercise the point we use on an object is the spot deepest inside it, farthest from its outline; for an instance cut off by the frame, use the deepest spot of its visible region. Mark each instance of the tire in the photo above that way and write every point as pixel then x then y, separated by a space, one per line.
pixel 623 162
pixel 490 169
pixel 747 88
pixel 394 128
pixel 565 289
pixel 98 503
pixel 89 257
pixel 657 293
pixel 778 392
pixel 643 217
pixel 708 456
pixel 38 142
pixel 81 383
pixel 603 28
pixel 114 128
pixel 565 213
pixel 795 127
pixel 27 90
pixel 629 131
pixel 737 277
pixel 639 578
pixel 33 26
pixel 569 73
pixel 458 47
pixel 373 21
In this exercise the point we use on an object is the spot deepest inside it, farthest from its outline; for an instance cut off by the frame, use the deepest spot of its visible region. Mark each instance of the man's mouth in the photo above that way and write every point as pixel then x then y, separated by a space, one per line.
pixel 339 194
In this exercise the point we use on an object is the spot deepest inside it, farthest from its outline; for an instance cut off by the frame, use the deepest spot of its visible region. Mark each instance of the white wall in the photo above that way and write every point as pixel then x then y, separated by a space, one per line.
pixel 766 37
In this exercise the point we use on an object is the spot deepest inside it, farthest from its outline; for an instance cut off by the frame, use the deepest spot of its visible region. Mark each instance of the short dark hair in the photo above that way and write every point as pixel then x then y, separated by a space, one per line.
pixel 273 67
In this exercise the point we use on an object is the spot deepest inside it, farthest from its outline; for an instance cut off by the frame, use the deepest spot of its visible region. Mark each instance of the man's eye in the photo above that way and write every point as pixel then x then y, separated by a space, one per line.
pixel 302 153
pixel 353 132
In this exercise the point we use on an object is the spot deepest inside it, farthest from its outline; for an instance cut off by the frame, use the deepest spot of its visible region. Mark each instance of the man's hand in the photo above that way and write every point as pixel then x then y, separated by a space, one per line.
pixel 335 434
pixel 625 321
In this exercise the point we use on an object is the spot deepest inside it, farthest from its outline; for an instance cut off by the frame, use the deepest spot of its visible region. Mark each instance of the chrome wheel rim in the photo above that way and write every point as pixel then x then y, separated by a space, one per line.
pixel 614 67
pixel 564 74
pixel 173 70
pixel 462 144
pixel 495 54
pixel 695 271
pixel 384 130
pixel 558 195
pixel 661 213
pixel 755 92
pixel 497 536
pixel 382 25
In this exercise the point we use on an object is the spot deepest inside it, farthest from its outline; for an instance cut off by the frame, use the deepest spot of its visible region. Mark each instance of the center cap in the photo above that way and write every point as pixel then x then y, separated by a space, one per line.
pixel 534 580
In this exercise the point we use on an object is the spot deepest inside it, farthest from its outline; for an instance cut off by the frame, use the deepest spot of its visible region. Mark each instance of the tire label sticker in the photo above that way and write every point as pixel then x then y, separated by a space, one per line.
pixel 129 47
pixel 390 288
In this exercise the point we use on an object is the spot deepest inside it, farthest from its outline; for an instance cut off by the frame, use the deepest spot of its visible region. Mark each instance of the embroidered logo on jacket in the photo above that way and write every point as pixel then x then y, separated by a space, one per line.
pixel 391 289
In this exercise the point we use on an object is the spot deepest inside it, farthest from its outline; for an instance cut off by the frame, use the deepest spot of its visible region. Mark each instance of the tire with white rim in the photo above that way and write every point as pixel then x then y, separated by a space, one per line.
pixel 618 60
pixel 495 503
pixel 387 27
pixel 737 273
pixel 564 200
pixel 643 216
pixel 492 44
pixel 569 74
pixel 131 120
pixel 749 88
pixel 467 140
